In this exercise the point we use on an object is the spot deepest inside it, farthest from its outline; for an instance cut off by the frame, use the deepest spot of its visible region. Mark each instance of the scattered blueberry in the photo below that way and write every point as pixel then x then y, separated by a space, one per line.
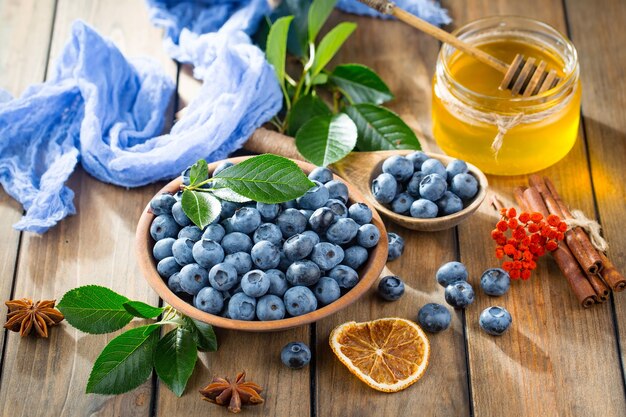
pixel 434 318
pixel 418 159
pixel 315 198
pixel 246 220
pixel 400 167
pixel 396 246
pixel 236 242
pixel 459 294
pixel 303 273
pixel 360 213
pixel 321 219
pixel 451 272
pixel 307 213
pixel 269 232
pixel 312 235
pixel 242 261
pixel 163 248
pixel 241 307
pixel 228 209
pixel 268 212
pixel 384 188
pixel 424 209
pixel 342 231
pixel 193 278
pixel 464 186
pixel 391 288
pixel 173 283
pixel 456 167
pixel 163 226
pixel 338 207
pixel 209 300
pixel 413 186
pixel 291 222
pixel 214 232
pixel 278 282
pixel 223 276
pixel 270 307
pixel 434 166
pixel 299 300
pixel 298 246
pixel 495 320
pixel 495 282
pixel 295 355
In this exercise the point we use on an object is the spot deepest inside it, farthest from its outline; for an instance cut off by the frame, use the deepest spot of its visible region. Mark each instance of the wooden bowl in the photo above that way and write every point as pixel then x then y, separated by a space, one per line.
pixel 354 165
pixel 368 273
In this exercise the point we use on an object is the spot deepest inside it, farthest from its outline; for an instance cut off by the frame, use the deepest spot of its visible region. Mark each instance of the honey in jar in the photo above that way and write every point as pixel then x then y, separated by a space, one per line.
pixel 504 134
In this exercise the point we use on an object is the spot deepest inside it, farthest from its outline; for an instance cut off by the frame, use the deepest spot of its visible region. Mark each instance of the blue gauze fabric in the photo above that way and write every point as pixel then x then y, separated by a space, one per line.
pixel 428 10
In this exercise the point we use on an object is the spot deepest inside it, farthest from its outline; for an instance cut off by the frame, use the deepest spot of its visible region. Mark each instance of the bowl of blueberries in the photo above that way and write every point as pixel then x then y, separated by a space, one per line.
pixel 263 267
pixel 426 191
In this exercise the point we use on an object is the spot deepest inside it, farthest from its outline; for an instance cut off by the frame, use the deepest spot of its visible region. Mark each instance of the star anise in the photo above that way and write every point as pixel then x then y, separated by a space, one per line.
pixel 24 315
pixel 234 394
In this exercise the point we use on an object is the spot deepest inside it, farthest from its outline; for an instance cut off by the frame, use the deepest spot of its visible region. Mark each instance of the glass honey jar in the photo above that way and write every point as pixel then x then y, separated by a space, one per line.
pixel 501 133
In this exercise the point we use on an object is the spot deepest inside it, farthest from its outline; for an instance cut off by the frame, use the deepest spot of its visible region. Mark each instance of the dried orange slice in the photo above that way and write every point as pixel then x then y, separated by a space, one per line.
pixel 387 354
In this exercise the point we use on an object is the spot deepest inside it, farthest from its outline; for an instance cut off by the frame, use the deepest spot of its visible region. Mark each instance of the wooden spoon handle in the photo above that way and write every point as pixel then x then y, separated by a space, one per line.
pixel 269 141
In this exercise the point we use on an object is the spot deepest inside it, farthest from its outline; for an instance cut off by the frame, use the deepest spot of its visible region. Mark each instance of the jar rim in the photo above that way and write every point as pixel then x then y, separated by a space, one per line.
pixel 570 59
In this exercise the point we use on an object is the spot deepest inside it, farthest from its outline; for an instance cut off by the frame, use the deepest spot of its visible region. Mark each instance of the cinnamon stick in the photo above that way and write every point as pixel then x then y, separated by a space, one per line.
pixel 611 275
pixel 602 290
pixel 531 199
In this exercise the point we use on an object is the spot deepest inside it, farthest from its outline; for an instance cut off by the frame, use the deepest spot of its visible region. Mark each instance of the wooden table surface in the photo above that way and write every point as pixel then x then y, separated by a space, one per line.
pixel 556 360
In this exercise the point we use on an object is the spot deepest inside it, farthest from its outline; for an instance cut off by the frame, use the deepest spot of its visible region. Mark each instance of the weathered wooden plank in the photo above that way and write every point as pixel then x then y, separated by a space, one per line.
pixel 557 359
pixel 23 58
pixel 48 377
pixel 404 58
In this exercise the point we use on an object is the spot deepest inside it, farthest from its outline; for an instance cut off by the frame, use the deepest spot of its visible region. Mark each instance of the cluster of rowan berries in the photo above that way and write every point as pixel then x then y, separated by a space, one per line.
pixel 530 237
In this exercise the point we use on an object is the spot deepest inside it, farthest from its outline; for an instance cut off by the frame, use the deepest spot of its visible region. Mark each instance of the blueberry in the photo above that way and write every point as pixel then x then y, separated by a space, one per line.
pixel 265 255
pixel 418 159
pixel 459 294
pixel 181 250
pixel 327 255
pixel 321 174
pixel 268 212
pixel 434 318
pixel 432 187
pixel 368 235
pixel 303 273
pixel 434 166
pixel 162 204
pixel 185 176
pixel 163 248
pixel 228 209
pixel 424 209
pixel 345 276
pixel 278 282
pixel 227 224
pixel 207 253
pixel 173 283
pixel 451 272
pixel 312 235
pixel 270 307
pixel 221 167
pixel 298 247
pixel 384 188
pixel 360 213
pixel 327 290
pixel 190 232
pixel 495 281
pixel 456 167
pixel 193 278
pixel 223 277
pixel 236 242
pixel 396 246
pixel 241 307
pixel 449 203
pixel 402 203
pixel 342 231
pixel 291 222
pixel 255 283
pixel 314 198
pixel 391 288
pixel 338 207
pixel 355 256
pixel 240 260
pixel 337 190
pixel 179 215
pixel 163 226
pixel 321 219
pixel 464 186
pixel 495 320
pixel 246 220
pixel 269 232
pixel 400 167
pixel 209 300
pixel 307 213
pixel 295 355
pixel 214 232
pixel 168 267
pixel 299 300
pixel 413 186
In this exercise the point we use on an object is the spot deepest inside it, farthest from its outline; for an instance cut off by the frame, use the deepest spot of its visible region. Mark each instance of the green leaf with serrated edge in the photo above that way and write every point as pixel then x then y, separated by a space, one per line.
pixel 94 309
pixel 198 172
pixel 265 178
pixel 304 110
pixel 318 14
pixel 381 129
pixel 203 334
pixel 174 359
pixel 330 44
pixel 326 139
pixel 361 84
pixel 229 195
pixel 125 363
pixel 201 207
pixel 276 46
pixel 142 310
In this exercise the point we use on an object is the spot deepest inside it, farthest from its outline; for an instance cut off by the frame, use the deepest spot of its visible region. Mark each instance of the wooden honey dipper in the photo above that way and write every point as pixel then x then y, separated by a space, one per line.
pixel 521 76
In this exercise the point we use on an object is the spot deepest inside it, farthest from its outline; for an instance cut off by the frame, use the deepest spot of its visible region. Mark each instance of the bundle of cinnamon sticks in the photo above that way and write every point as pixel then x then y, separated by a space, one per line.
pixel 590 274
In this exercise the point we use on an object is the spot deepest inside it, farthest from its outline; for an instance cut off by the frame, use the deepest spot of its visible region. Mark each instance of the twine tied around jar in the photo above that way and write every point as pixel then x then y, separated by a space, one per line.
pixel 592 228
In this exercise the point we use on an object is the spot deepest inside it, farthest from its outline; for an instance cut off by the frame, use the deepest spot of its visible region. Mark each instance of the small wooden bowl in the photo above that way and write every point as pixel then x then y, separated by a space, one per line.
pixel 368 273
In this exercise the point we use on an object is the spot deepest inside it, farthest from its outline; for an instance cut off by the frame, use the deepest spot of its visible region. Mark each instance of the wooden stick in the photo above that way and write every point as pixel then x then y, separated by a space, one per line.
pixel 611 275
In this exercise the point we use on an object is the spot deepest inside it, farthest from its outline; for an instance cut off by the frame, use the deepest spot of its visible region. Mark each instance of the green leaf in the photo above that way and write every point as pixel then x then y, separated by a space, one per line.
pixel 326 139
pixel 202 208
pixel 125 363
pixel 266 178
pixel 142 310
pixel 203 334
pixel 318 14
pixel 304 110
pixel 174 359
pixel 361 84
pixel 381 129
pixel 319 79
pixel 276 47
pixel 94 309
pixel 229 195
pixel 198 172
pixel 330 44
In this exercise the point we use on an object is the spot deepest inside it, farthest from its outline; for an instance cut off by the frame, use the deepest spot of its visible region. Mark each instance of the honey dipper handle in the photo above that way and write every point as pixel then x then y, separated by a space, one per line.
pixel 269 141
pixel 388 7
